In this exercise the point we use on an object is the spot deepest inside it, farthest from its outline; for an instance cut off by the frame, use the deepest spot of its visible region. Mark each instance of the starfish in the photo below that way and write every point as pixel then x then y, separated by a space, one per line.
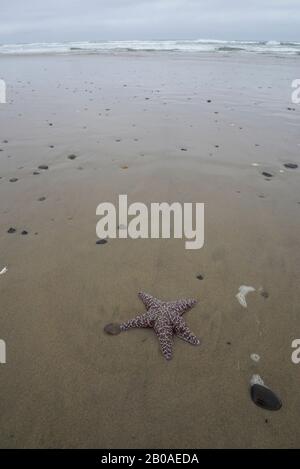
pixel 165 317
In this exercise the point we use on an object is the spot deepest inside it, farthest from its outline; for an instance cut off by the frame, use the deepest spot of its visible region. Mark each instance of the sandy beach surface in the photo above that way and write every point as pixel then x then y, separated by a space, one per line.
pixel 127 118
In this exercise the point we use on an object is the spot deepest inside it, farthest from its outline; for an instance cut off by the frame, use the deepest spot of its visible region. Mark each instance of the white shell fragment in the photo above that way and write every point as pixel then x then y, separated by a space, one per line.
pixel 255 357
pixel 3 271
pixel 256 379
pixel 241 295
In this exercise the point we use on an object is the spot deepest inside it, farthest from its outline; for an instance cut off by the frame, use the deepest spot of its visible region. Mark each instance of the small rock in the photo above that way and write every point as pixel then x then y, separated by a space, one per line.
pixel 13 180
pixel 101 241
pixel 72 157
pixel 24 232
pixel 43 166
pixel 41 199
pixel 200 277
pixel 264 294
pixel 35 173
pixel 264 397
pixel 291 165
pixel 267 175
pixel 11 230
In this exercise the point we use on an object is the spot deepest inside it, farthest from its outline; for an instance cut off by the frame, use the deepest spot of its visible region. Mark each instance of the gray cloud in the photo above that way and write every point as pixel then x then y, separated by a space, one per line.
pixel 64 20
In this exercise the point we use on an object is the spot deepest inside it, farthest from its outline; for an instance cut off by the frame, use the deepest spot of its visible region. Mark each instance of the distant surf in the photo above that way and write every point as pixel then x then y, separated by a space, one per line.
pixel 199 45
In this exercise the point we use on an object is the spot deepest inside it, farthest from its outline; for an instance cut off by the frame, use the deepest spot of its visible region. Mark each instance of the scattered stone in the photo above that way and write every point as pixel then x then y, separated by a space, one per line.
pixel 51 146
pixel 24 232
pixel 13 180
pixel 124 166
pixel 43 166
pixel 101 241
pixel 208 100
pixel 264 397
pixel 264 294
pixel 41 199
pixel 11 230
pixel 5 141
pixel 183 149
pixel 200 277
pixel 290 165
pixel 112 329
pixel 35 173
pixel 267 175
pixel 72 157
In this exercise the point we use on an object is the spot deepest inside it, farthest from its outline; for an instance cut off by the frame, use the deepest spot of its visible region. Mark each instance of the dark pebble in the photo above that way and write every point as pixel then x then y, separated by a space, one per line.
pixel 24 232
pixel 267 175
pixel 35 173
pixel 200 277
pixel 43 166
pixel 112 329
pixel 11 230
pixel 13 180
pixel 72 157
pixel 265 398
pixel 41 199
pixel 291 165
pixel 183 149
pixel 101 241
pixel 208 101
pixel 264 294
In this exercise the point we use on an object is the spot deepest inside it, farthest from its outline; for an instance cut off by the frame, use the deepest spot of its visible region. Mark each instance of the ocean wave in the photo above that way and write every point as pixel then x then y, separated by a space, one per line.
pixel 198 45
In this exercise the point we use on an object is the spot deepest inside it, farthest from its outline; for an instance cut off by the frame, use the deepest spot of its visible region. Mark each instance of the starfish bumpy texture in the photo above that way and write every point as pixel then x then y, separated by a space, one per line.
pixel 165 317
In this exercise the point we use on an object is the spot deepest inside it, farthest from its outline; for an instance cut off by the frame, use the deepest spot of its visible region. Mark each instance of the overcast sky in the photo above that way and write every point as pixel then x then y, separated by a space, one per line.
pixel 78 20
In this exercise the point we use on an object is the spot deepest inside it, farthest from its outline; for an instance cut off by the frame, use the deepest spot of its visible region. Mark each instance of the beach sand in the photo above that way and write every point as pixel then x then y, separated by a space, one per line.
pixel 66 383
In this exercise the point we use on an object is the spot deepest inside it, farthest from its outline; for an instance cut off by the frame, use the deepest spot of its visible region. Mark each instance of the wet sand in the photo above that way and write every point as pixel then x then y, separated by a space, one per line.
pixel 66 383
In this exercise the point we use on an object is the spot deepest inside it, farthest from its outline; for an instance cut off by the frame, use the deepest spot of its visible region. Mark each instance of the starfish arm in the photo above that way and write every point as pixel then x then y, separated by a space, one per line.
pixel 148 300
pixel 184 333
pixel 181 306
pixel 164 333
pixel 141 320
